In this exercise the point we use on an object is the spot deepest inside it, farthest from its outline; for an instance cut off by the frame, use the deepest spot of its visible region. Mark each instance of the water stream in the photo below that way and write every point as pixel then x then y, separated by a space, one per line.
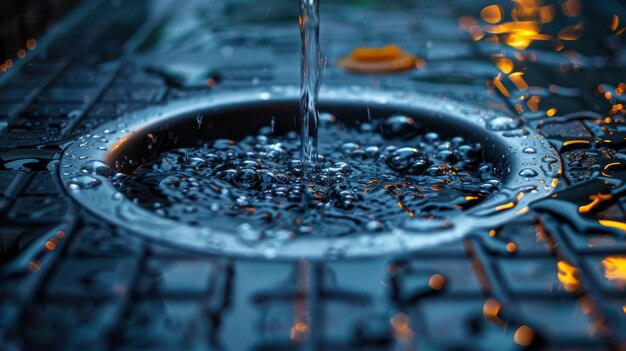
pixel 312 65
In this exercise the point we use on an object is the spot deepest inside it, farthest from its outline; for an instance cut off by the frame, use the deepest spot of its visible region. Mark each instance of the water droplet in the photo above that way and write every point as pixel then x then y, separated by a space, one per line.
pixel 199 118
pixel 374 226
pixel 530 150
pixel 82 182
pixel 96 167
pixel 528 173
pixel 248 235
pixel 501 123
pixel 367 182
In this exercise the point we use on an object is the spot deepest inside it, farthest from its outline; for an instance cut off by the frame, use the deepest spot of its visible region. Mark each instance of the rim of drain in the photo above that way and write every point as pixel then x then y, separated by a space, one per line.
pixel 527 163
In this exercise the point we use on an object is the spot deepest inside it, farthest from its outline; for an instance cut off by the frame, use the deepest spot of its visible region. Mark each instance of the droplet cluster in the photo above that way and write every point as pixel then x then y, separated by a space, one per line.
pixel 374 177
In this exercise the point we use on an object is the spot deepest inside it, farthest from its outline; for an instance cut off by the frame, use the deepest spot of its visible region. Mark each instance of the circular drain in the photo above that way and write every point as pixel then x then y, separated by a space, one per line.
pixel 525 162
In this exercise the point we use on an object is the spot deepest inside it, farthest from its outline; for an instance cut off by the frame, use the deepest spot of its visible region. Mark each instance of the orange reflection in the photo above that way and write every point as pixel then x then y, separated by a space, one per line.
pixel 615 269
pixel 614 23
pixel 524 27
pixel 401 327
pixel 571 8
pixel 298 331
pixel 491 308
pixel 492 13
pixel 498 84
pixel 511 247
pixel 568 276
pixel 613 224
pixel 576 142
pixel 505 206
pixel 437 281
pixel 533 103
pixel 505 65
pixel 518 80
pixel 389 58
pixel 31 44
pixel 572 32
pixel 524 336
pixel 34 266
pixel 596 200
pixel 551 112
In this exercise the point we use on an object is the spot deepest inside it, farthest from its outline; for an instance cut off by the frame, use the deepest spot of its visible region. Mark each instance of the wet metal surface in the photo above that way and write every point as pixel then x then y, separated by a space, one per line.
pixel 147 133
pixel 545 274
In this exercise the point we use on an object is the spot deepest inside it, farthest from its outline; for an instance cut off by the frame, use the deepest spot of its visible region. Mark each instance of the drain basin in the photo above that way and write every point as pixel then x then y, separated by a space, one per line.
pixel 124 145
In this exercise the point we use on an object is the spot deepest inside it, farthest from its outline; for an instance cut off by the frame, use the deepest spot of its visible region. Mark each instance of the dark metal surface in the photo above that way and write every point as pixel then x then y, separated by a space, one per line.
pixel 22 21
pixel 71 281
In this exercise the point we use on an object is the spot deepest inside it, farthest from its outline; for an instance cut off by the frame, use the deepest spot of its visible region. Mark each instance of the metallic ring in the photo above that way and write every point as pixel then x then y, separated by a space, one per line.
pixel 527 164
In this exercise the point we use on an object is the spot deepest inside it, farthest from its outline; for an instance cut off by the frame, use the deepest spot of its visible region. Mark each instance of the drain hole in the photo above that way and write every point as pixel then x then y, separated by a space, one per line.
pixel 381 170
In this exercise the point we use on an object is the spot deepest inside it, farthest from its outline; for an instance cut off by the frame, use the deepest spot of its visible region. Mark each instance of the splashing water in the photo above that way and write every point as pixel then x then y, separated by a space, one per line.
pixel 312 65
pixel 372 178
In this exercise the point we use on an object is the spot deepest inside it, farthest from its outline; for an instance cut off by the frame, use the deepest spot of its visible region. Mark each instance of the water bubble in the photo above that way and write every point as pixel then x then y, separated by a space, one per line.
pixel 468 154
pixel 457 141
pixel 197 163
pixel 372 151
pixel 435 171
pixel 349 147
pixel 246 178
pixel 418 167
pixel 363 178
pixel 447 156
pixel 431 137
pixel 402 127
pixel 402 158
pixel 488 187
